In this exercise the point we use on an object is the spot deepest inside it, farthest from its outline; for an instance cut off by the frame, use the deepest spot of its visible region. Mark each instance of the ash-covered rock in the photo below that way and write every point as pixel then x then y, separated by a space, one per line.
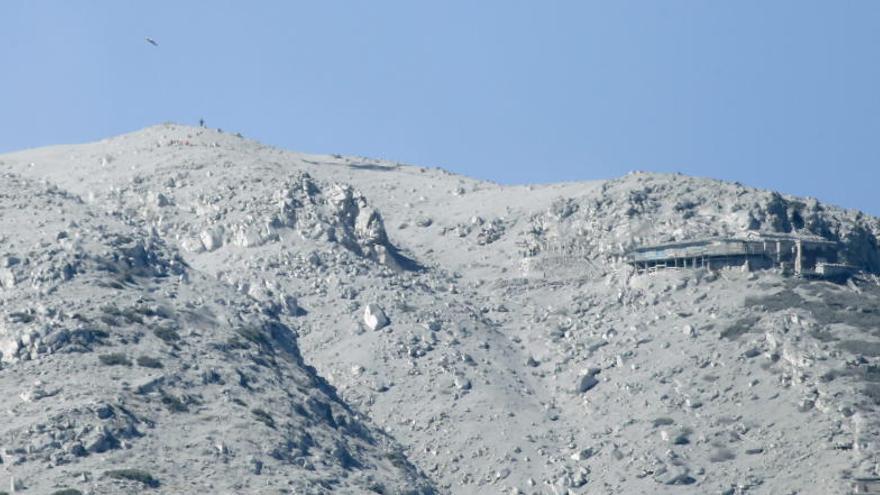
pixel 206 215
pixel 644 209
pixel 137 355
pixel 578 375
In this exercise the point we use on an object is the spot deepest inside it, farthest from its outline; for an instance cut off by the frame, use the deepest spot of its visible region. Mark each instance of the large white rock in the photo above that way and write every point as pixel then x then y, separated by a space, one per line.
pixel 374 317
pixel 212 239
pixel 9 348
pixel 369 227
pixel 7 278
pixel 192 245
pixel 247 237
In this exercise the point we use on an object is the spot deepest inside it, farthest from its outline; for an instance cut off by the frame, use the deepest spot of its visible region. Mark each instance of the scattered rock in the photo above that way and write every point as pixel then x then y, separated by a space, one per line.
pixel 582 454
pixel 675 475
pixel 676 436
pixel 212 239
pixel 374 317
pixel 587 380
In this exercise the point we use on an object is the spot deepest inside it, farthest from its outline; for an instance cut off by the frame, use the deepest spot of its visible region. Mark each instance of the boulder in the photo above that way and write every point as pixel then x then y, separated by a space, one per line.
pixel 587 380
pixel 582 454
pixel 9 348
pixel 674 475
pixel 374 317
pixel 7 278
pixel 212 239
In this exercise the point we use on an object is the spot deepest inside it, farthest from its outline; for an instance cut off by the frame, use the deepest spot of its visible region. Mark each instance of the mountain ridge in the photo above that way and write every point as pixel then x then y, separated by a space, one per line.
pixel 513 349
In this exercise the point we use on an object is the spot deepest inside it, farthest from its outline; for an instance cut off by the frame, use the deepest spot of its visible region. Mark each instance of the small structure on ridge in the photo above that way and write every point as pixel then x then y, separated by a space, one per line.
pixel 803 255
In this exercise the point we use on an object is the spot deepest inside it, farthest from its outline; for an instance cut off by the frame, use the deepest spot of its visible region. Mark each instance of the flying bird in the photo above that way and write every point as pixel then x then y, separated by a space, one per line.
pixel 151 41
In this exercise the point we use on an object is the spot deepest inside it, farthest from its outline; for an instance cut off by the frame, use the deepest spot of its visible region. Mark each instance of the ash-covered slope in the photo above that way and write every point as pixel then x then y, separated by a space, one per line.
pixel 124 371
pixel 520 353
pixel 656 208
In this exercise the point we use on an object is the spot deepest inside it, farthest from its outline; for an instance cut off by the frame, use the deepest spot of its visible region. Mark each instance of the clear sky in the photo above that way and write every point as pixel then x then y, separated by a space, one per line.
pixel 783 94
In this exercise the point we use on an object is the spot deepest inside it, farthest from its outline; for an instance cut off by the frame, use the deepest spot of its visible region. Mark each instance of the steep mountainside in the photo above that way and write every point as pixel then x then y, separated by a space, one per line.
pixel 123 369
pixel 495 332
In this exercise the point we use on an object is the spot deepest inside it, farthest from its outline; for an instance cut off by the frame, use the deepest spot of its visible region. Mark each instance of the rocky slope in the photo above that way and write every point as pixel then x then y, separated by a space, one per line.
pixel 123 369
pixel 506 345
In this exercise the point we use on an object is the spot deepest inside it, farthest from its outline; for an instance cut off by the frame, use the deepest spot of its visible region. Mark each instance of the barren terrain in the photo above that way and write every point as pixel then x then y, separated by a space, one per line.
pixel 183 310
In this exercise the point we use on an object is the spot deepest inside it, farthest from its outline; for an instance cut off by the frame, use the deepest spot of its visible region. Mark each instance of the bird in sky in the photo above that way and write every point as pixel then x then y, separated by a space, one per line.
pixel 151 41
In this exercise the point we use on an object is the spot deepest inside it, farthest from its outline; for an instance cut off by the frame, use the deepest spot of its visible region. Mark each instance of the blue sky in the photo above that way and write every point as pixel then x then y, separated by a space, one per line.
pixel 777 94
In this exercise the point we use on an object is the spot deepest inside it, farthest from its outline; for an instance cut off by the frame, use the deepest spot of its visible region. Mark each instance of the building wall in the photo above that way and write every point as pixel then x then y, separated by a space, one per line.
pixel 800 255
